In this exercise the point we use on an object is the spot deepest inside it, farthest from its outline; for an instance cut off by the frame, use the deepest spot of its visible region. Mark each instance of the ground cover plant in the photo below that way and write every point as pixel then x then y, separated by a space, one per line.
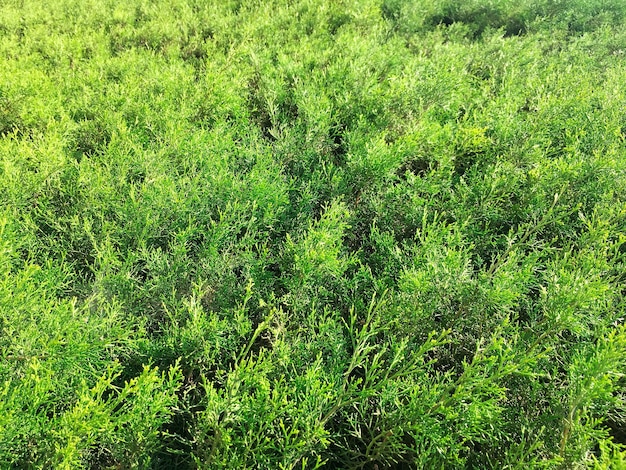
pixel 353 234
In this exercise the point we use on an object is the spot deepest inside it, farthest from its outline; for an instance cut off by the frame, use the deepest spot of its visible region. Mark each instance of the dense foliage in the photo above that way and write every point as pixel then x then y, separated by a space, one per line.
pixel 312 234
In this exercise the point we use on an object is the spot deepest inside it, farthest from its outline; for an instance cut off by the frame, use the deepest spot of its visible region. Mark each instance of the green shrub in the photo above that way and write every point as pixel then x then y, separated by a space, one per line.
pixel 312 234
